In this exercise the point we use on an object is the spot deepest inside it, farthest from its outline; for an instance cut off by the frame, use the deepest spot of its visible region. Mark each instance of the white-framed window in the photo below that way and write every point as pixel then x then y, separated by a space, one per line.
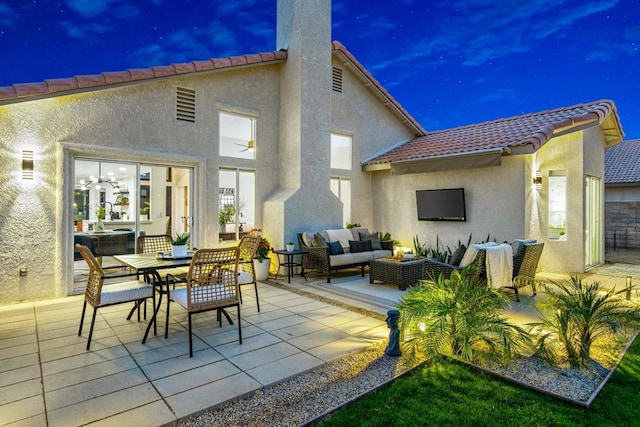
pixel 341 187
pixel 558 205
pixel 340 151
pixel 237 136
pixel 236 202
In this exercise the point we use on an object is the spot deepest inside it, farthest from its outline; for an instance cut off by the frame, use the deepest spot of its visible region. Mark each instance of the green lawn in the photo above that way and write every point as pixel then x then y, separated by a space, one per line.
pixel 452 394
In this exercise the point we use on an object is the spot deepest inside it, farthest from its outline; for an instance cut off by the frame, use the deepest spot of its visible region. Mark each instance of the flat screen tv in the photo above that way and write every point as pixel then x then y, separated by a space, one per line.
pixel 441 205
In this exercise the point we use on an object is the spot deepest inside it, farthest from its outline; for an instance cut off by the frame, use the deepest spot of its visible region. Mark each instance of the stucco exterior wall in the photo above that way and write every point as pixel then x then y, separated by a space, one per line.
pixel 495 203
pixel 373 129
pixel 132 123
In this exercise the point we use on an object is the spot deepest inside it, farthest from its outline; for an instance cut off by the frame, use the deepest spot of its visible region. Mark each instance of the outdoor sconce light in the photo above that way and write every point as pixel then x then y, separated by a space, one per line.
pixel 537 180
pixel 27 164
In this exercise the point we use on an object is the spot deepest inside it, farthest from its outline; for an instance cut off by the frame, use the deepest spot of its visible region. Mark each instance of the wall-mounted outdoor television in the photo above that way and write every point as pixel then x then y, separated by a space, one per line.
pixel 441 205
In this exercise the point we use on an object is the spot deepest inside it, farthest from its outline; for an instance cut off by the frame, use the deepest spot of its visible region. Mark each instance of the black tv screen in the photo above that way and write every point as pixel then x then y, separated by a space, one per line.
pixel 441 205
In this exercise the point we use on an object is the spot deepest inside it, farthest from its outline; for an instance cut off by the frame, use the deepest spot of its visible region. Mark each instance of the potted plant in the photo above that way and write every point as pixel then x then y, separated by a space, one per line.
pixel 290 247
pixel 179 245
pixel 101 213
pixel 262 254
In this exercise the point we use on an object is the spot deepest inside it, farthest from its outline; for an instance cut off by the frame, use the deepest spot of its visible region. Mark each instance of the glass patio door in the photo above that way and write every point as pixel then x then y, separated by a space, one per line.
pixel 593 222
pixel 236 203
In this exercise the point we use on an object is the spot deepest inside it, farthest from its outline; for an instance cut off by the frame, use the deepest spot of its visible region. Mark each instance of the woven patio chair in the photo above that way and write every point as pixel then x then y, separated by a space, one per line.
pixel 433 268
pixel 525 264
pixel 99 295
pixel 212 284
pixel 246 272
pixel 156 243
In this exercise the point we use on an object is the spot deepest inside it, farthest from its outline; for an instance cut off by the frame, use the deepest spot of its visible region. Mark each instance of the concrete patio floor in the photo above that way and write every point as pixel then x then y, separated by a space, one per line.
pixel 48 379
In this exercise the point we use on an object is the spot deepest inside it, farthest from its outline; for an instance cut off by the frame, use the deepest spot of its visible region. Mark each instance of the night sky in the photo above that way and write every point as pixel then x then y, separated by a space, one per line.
pixel 448 62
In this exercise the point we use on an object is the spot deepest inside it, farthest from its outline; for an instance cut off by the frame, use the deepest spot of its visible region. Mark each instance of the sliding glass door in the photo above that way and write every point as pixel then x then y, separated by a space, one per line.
pixel 115 202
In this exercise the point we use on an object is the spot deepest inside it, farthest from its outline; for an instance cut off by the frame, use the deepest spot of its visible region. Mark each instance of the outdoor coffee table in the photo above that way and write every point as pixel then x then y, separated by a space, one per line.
pixel 401 272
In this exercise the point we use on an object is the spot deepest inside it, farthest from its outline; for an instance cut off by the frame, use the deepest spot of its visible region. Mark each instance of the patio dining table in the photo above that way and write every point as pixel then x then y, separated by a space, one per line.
pixel 152 263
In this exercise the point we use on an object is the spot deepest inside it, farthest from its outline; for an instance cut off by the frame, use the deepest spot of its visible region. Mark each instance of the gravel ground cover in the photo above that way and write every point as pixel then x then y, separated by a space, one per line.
pixel 307 397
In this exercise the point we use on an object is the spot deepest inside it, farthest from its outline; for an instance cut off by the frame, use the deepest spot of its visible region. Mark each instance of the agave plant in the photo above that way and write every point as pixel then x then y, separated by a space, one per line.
pixel 577 314
pixel 454 316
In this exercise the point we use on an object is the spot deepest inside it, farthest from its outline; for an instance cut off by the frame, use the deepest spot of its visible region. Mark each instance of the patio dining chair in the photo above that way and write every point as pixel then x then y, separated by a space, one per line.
pixel 212 284
pixel 99 295
pixel 246 271
pixel 525 264
pixel 156 243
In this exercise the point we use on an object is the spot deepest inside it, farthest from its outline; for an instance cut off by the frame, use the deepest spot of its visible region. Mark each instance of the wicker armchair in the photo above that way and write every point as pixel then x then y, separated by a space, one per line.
pixel 98 296
pixel 525 264
pixel 246 273
pixel 212 284
pixel 433 268
pixel 156 243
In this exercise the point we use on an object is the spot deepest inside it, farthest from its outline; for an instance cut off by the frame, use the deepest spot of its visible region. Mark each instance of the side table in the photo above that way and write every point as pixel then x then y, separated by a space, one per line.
pixel 289 262
pixel 404 273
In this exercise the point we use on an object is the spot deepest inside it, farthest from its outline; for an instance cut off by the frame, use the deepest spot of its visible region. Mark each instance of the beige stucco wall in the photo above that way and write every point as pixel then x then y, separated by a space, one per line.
pixel 373 129
pixel 578 154
pixel 495 201
pixel 135 123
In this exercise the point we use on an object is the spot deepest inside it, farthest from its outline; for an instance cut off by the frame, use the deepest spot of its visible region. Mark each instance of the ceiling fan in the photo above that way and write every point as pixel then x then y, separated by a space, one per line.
pixel 249 147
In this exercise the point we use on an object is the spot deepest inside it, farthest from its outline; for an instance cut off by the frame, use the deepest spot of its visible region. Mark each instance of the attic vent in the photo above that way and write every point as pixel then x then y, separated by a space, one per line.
pixel 186 105
pixel 337 80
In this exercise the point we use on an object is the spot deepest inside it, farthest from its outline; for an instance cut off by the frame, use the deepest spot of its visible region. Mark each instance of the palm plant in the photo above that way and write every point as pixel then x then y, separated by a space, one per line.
pixel 457 316
pixel 577 315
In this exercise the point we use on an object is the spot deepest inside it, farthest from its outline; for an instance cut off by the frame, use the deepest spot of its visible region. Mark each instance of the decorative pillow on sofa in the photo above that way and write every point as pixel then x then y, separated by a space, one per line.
pixel 335 248
pixel 359 246
pixel 458 255
pixel 318 241
pixel 373 238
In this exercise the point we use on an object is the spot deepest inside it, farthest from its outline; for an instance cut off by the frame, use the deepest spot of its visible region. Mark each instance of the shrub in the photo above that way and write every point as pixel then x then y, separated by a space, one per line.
pixel 455 316
pixel 576 315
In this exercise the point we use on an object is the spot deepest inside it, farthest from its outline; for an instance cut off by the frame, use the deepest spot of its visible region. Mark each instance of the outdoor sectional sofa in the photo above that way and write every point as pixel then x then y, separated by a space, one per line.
pixel 342 248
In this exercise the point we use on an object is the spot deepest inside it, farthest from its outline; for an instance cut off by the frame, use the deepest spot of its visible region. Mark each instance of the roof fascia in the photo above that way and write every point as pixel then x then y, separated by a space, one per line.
pixel 468 160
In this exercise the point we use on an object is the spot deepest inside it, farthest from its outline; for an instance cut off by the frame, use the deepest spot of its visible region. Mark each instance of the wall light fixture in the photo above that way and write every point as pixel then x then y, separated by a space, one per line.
pixel 27 164
pixel 537 180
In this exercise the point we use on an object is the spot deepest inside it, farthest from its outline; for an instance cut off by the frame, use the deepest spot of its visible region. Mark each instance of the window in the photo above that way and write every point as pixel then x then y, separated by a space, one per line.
pixel 557 205
pixel 236 203
pixel 341 187
pixel 340 152
pixel 237 136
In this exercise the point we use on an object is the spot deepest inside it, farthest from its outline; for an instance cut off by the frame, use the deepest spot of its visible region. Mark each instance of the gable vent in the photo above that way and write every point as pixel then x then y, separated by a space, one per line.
pixel 186 105
pixel 337 80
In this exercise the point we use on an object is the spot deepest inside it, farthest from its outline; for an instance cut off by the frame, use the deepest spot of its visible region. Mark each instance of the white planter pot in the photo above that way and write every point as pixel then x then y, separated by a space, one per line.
pixel 179 251
pixel 290 248
pixel 99 225
pixel 262 269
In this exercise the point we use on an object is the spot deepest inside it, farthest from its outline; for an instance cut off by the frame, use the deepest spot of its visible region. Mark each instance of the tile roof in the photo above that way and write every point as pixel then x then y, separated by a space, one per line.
pixel 622 163
pixel 529 131
pixel 55 87
pixel 26 91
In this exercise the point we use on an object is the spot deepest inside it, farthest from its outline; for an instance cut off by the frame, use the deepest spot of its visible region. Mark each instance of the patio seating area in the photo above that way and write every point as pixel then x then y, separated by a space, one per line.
pixel 49 379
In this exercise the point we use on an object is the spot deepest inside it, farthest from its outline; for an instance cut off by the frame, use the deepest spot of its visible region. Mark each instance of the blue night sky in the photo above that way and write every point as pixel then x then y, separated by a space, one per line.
pixel 448 62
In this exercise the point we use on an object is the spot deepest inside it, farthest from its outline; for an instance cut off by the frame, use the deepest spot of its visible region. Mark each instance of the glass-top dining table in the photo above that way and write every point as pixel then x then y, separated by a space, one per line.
pixel 151 264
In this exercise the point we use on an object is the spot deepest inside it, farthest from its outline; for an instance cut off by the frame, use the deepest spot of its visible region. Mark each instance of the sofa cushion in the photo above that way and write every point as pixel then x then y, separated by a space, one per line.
pixel 357 246
pixel 342 259
pixel 458 255
pixel 373 238
pixel 342 235
pixel 318 241
pixel 356 231
pixel 335 248
pixel 362 257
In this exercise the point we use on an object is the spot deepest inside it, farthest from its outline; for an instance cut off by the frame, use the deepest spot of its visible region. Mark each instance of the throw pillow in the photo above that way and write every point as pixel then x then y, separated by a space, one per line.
pixel 458 255
pixel 373 238
pixel 357 246
pixel 318 241
pixel 335 248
